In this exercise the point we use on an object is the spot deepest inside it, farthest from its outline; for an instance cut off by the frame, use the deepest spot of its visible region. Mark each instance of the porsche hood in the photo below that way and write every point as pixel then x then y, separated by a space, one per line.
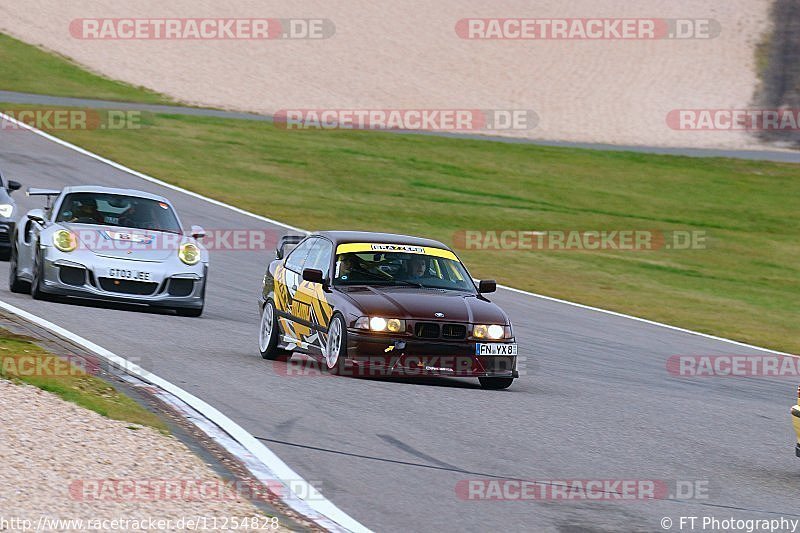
pixel 126 243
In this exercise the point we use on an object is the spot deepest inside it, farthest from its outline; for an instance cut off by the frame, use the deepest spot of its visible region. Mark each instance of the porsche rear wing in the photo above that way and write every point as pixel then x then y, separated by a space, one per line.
pixel 49 193
pixel 287 244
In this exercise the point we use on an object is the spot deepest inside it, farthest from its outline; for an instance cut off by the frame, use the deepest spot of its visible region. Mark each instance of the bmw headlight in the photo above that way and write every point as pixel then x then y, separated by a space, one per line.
pixel 189 253
pixel 377 323
pixel 493 332
pixel 64 240
pixel 6 210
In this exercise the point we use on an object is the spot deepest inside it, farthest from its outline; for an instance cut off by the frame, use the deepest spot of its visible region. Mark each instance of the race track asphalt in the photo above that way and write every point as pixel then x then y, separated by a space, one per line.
pixel 595 400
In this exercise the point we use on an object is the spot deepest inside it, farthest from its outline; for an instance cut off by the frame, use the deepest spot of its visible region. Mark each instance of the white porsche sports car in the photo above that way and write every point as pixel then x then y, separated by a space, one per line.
pixel 109 244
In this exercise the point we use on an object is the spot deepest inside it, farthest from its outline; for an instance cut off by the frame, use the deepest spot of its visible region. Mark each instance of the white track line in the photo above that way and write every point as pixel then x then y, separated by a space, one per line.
pixel 314 500
pixel 281 224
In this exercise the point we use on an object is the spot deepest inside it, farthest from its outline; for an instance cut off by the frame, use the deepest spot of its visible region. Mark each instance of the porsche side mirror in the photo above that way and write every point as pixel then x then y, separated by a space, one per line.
pixel 313 275
pixel 14 185
pixel 198 232
pixel 486 286
pixel 37 216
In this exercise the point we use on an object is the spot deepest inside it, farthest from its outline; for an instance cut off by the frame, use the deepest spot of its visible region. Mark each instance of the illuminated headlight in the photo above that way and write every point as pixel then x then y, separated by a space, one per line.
pixel 493 332
pixel 6 210
pixel 376 323
pixel 189 253
pixel 64 240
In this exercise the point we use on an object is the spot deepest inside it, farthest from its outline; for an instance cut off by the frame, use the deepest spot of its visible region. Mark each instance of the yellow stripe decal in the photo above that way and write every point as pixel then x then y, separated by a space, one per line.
pixel 357 247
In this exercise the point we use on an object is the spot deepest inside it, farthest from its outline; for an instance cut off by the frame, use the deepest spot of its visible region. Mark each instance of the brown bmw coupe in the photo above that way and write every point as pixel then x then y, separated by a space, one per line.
pixel 373 304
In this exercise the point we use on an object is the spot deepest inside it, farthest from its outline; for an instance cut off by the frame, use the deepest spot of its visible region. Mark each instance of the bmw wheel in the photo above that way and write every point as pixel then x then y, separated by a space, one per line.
pixel 496 383
pixel 268 333
pixel 336 345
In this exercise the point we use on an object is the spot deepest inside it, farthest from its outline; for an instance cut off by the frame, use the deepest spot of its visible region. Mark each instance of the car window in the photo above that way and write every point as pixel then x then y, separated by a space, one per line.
pixel 297 258
pixel 403 269
pixel 118 210
pixel 320 256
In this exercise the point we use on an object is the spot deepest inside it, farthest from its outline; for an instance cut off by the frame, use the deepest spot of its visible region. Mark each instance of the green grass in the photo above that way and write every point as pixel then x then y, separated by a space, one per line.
pixel 743 286
pixel 22 360
pixel 29 69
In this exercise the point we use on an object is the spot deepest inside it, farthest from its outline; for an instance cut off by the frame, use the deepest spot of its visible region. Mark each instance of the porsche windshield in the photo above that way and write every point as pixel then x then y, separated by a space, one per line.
pixel 401 269
pixel 118 210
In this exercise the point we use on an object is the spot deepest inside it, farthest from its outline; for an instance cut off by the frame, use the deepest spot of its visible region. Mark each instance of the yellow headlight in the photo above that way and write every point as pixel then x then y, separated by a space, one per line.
pixel 480 332
pixel 394 325
pixel 64 240
pixel 189 253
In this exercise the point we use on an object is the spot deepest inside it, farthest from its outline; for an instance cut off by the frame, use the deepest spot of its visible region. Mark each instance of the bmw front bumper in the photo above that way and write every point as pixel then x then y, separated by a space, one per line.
pixel 408 356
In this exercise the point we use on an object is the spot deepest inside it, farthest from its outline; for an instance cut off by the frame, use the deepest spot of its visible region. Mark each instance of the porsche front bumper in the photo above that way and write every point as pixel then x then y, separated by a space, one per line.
pixel 85 276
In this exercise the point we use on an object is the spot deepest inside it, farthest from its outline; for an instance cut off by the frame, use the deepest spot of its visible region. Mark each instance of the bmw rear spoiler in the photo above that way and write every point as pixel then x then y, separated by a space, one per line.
pixel 49 193
pixel 287 244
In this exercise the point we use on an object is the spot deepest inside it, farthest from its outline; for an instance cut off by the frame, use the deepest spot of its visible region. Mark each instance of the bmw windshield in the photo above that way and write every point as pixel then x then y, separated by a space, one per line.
pixel 401 269
pixel 118 210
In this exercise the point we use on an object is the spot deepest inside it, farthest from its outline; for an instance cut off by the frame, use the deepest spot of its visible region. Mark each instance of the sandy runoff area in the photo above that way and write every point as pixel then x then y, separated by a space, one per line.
pixel 614 76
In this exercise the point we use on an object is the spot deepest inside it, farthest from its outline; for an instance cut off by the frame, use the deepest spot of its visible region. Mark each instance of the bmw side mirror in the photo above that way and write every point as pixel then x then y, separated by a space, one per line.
pixel 198 232
pixel 486 286
pixel 14 185
pixel 313 275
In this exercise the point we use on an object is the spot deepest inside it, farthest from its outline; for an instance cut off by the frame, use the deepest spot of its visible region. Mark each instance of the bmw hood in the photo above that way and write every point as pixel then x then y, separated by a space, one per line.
pixel 424 304
pixel 126 243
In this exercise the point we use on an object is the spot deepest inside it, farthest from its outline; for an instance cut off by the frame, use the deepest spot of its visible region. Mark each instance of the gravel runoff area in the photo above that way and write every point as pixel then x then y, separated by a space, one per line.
pixel 407 55
pixel 60 461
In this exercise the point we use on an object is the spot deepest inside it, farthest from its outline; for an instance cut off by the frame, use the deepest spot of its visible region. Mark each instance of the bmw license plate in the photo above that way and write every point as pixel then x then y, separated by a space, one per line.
pixel 133 275
pixel 495 349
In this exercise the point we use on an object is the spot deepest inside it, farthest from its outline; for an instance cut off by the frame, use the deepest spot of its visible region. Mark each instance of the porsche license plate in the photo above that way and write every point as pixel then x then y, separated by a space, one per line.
pixel 496 348
pixel 133 275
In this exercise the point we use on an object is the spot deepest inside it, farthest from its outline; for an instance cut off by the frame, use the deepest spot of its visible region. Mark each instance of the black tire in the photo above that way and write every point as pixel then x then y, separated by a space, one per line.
pixel 189 311
pixel 14 283
pixel 268 341
pixel 496 383
pixel 338 363
pixel 38 272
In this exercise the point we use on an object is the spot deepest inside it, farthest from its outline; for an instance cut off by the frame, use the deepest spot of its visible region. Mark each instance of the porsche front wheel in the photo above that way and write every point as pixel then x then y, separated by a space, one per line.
pixel 496 383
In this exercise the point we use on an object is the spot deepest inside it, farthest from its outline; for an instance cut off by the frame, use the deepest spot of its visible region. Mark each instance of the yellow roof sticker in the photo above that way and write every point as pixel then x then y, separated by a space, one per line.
pixel 405 248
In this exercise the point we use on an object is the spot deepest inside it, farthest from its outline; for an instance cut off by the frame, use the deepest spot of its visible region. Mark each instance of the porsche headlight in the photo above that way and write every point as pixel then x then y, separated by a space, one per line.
pixel 493 331
pixel 6 210
pixel 64 240
pixel 377 323
pixel 189 253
